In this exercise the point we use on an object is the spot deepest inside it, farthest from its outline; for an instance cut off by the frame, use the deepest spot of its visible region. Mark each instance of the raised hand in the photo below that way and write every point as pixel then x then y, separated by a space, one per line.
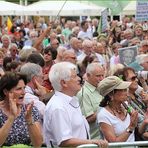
pixel 134 119
pixel 40 90
pixel 28 113
pixel 14 109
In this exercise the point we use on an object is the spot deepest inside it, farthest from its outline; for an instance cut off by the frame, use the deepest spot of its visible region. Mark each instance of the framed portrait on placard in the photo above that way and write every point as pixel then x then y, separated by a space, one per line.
pixel 127 55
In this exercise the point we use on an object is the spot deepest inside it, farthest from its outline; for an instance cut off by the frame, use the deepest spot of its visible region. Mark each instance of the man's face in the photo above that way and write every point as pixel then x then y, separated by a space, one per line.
pixel 73 85
pixel 96 76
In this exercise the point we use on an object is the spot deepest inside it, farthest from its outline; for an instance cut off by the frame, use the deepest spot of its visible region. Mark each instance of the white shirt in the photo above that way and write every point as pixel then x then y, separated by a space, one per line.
pixel 101 59
pixel 63 120
pixel 119 126
pixel 85 35
pixel 30 96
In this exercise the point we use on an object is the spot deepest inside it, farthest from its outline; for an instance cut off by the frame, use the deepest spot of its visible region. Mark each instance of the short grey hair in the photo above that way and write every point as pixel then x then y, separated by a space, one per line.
pixel 13 45
pixel 141 58
pixel 91 67
pixel 60 71
pixel 6 36
pixel 30 70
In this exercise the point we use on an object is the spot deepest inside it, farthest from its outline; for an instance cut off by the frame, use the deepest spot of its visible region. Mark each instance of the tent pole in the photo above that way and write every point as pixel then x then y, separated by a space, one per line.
pixel 21 17
pixel 26 3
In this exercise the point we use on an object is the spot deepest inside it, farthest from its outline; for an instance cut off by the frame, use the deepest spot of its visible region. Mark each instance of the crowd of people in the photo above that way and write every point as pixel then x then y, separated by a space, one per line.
pixel 64 83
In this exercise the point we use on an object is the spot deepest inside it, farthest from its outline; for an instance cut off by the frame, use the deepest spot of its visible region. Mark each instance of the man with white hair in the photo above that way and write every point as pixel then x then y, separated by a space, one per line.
pixel 86 50
pixel 64 124
pixel 89 97
pixel 74 44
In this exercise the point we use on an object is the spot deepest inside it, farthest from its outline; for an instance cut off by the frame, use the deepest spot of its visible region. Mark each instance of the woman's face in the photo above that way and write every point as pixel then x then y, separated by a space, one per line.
pixel 120 95
pixel 19 92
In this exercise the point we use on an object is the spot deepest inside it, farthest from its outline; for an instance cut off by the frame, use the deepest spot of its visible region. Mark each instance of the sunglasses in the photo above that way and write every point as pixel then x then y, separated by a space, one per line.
pixel 133 78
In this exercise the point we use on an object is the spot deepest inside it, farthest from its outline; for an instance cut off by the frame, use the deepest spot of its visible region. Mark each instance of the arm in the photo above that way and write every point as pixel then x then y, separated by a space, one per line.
pixel 35 133
pixel 5 129
pixel 144 124
pixel 33 128
pixel 13 113
pixel 41 37
pixel 86 106
pixel 109 133
pixel 91 118
pixel 73 142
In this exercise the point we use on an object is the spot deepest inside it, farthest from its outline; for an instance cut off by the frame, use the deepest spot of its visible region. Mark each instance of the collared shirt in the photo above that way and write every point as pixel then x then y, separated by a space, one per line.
pixel 30 96
pixel 89 99
pixel 63 120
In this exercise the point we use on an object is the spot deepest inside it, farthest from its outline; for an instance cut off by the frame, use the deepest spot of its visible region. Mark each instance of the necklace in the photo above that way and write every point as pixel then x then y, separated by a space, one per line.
pixel 118 112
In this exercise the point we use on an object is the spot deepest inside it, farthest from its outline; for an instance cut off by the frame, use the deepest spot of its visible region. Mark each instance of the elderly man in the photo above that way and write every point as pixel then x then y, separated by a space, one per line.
pixel 35 77
pixel 89 98
pixel 64 124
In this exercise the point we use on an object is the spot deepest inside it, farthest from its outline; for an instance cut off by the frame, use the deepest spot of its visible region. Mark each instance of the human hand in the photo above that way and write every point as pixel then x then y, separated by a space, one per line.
pixel 40 90
pixel 48 29
pixel 100 143
pixel 28 113
pixel 146 117
pixel 14 109
pixel 133 119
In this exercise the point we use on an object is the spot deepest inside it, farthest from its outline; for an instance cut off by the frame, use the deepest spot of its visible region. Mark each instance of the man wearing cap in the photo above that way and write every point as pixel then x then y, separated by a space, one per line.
pixel 89 98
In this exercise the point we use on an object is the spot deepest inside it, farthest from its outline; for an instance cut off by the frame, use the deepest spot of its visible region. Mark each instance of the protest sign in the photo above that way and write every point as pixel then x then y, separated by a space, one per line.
pixel 127 55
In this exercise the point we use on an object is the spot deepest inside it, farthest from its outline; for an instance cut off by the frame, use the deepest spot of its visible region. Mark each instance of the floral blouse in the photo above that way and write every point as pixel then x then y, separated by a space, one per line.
pixel 19 131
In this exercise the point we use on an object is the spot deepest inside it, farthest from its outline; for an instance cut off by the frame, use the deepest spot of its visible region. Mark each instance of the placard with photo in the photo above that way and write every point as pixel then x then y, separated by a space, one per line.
pixel 127 55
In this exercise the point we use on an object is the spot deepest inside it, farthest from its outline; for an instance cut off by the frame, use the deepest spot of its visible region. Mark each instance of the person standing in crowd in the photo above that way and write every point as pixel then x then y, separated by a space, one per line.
pixel 85 33
pixel 64 124
pixel 34 75
pixel 48 58
pixel 89 98
pixel 19 123
pixel 115 123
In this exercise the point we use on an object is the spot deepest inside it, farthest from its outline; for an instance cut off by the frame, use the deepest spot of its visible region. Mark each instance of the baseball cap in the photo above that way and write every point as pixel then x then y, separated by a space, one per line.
pixel 110 83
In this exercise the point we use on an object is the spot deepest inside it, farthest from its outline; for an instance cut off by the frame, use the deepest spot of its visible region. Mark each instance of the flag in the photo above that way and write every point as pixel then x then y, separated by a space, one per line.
pixel 100 26
pixel 9 24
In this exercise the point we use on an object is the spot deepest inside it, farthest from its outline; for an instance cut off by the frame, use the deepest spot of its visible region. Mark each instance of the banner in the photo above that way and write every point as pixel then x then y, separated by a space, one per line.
pixel 127 55
pixel 142 10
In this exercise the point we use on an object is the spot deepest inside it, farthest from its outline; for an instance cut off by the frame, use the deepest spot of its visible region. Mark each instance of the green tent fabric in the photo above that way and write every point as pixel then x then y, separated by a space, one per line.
pixel 116 6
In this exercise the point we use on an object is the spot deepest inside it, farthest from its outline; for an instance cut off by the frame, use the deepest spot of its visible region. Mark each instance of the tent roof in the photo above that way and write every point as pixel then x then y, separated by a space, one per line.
pixel 7 8
pixel 130 8
pixel 71 8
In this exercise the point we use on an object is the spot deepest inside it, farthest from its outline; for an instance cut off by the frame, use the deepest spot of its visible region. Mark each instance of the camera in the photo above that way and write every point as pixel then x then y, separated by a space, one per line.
pixel 143 74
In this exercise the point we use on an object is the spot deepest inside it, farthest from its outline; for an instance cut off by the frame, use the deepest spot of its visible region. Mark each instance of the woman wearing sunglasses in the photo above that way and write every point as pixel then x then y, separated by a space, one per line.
pixel 137 100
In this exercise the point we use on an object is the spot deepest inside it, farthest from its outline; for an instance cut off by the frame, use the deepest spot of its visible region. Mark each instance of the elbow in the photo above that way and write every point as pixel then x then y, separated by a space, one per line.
pixel 38 143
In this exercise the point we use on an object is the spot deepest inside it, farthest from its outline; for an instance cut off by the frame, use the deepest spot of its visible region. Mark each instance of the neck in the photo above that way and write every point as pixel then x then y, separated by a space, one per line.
pixel 68 93
pixel 48 63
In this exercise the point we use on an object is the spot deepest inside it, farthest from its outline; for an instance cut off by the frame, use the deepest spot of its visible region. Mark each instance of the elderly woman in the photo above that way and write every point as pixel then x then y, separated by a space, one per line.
pixel 116 124
pixel 19 123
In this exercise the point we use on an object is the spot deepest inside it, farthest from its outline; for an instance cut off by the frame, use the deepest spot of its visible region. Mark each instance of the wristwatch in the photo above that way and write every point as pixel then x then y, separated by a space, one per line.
pixel 128 130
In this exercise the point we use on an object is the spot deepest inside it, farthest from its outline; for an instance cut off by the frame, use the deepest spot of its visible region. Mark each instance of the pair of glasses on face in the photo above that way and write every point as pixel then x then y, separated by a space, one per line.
pixel 133 78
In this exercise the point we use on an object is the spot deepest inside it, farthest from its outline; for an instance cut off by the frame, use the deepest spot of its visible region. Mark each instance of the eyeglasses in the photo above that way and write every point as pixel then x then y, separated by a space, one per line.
pixel 133 78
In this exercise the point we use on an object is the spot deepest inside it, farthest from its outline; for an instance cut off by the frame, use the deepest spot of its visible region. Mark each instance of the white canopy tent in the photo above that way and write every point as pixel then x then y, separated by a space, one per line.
pixel 130 9
pixel 71 8
pixel 7 8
